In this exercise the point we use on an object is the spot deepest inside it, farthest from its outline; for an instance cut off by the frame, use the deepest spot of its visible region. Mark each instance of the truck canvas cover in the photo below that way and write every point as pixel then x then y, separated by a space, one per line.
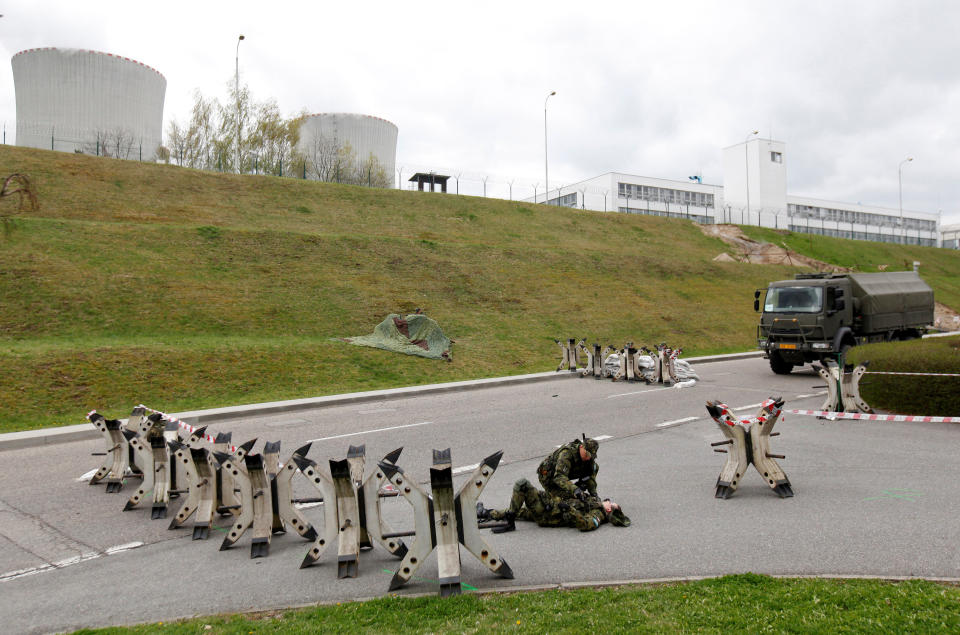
pixel 890 300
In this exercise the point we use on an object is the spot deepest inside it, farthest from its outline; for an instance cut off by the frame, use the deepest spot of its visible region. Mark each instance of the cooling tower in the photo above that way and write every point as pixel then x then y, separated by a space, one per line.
pixel 324 133
pixel 88 101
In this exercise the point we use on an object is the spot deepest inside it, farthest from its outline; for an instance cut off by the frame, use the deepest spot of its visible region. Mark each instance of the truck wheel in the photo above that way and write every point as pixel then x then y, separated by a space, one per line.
pixel 779 365
pixel 844 350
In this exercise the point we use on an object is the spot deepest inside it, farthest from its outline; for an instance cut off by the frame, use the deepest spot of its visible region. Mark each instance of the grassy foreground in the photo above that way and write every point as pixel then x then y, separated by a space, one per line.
pixel 908 394
pixel 746 603
pixel 180 289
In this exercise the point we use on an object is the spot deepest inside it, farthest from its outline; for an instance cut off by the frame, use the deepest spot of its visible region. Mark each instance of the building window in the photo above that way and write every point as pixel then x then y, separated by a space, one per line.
pixel 566 200
pixel 776 157
pixel 664 195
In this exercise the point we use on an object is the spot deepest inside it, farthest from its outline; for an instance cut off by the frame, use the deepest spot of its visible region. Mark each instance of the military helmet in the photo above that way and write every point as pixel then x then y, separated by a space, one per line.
pixel 591 446
pixel 619 519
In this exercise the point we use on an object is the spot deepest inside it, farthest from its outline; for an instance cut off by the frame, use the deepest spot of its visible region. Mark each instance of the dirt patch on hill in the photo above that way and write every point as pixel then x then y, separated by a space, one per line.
pixel 745 249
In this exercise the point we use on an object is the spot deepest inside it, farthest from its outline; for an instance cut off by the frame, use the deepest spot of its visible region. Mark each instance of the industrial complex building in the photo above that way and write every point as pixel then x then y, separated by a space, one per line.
pixel 87 101
pixel 326 136
pixel 754 192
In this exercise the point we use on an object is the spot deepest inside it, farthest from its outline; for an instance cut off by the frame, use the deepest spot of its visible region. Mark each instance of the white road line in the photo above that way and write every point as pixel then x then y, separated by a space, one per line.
pixel 602 437
pixel 83 557
pixel 813 394
pixel 750 407
pixel 307 505
pixel 121 548
pixel 636 392
pixel 667 424
pixel 466 468
pixel 353 434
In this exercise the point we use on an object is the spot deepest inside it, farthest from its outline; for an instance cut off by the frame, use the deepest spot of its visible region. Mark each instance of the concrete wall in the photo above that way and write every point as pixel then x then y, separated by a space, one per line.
pixel 77 100
pixel 366 135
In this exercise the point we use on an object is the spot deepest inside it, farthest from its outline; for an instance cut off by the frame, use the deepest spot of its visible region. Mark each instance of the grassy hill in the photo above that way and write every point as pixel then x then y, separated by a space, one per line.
pixel 184 289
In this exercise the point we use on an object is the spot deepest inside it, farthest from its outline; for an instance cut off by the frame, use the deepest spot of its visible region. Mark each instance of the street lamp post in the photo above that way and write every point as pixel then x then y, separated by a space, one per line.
pixel 900 182
pixel 236 91
pixel 546 168
pixel 746 165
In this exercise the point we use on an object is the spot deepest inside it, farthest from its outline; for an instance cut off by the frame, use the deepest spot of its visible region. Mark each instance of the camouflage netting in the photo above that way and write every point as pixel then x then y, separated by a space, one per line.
pixel 415 334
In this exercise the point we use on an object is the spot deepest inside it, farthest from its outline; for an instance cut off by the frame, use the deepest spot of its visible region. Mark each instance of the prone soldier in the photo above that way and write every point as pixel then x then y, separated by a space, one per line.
pixel 532 504
pixel 576 460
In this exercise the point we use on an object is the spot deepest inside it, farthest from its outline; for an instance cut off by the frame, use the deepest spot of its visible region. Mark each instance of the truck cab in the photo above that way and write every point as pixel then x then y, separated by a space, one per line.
pixel 804 320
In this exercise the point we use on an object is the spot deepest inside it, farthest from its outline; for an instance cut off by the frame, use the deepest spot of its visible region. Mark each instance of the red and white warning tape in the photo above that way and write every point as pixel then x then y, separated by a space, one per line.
pixel 826 414
pixel 186 426
pixel 883 372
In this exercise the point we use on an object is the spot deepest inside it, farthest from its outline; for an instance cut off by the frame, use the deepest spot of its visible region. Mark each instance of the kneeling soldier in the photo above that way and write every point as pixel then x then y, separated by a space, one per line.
pixel 574 460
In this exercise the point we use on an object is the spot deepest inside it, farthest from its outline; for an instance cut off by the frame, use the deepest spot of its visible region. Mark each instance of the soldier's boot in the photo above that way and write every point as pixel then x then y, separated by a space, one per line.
pixel 509 524
pixel 482 512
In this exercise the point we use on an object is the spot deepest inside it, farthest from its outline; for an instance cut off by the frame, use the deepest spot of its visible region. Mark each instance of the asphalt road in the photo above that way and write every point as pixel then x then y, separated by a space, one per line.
pixel 875 499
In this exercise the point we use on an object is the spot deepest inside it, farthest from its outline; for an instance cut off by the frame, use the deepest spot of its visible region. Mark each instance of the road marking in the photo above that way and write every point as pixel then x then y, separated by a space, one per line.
pixel 353 434
pixel 83 557
pixel 602 437
pixel 813 394
pixel 121 548
pixel 636 392
pixel 676 422
pixel 466 468
pixel 306 505
pixel 750 407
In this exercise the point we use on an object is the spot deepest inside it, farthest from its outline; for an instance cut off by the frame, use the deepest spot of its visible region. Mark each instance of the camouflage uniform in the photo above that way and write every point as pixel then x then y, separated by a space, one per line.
pixel 564 465
pixel 530 503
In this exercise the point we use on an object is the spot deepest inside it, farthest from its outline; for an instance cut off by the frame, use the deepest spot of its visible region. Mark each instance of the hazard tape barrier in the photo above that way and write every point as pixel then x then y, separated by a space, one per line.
pixel 184 426
pixel 827 414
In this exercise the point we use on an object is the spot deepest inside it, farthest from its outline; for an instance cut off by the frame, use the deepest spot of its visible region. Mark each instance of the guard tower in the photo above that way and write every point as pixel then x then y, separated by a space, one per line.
pixel 430 178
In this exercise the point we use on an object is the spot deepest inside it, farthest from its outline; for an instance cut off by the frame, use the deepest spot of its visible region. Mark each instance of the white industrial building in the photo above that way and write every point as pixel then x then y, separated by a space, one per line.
pixel 87 101
pixel 754 192
pixel 950 236
pixel 324 136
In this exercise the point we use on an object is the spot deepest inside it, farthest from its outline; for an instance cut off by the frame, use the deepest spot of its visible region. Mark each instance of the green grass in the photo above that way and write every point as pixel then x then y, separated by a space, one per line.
pixel 139 283
pixel 906 394
pixel 746 603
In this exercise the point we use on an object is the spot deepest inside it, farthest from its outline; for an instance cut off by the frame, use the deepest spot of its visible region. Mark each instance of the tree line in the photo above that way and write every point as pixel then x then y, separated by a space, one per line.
pixel 247 136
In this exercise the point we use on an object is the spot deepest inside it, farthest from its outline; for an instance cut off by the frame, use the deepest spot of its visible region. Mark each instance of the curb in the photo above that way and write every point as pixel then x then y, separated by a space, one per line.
pixel 84 431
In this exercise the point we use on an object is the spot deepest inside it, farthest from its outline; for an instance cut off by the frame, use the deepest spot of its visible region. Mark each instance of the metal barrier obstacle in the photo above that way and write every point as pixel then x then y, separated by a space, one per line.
pixel 652 366
pixel 750 443
pixel 445 520
pixel 843 386
pixel 351 506
pixel 568 354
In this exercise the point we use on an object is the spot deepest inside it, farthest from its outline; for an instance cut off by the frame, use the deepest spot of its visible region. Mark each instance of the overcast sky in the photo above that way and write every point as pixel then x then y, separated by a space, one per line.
pixel 649 88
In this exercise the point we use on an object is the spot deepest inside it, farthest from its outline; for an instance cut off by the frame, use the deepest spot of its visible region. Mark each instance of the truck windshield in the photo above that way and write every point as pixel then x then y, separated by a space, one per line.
pixel 793 300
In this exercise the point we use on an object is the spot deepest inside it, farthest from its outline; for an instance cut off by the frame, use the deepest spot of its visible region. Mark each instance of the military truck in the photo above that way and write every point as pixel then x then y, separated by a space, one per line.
pixel 821 315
